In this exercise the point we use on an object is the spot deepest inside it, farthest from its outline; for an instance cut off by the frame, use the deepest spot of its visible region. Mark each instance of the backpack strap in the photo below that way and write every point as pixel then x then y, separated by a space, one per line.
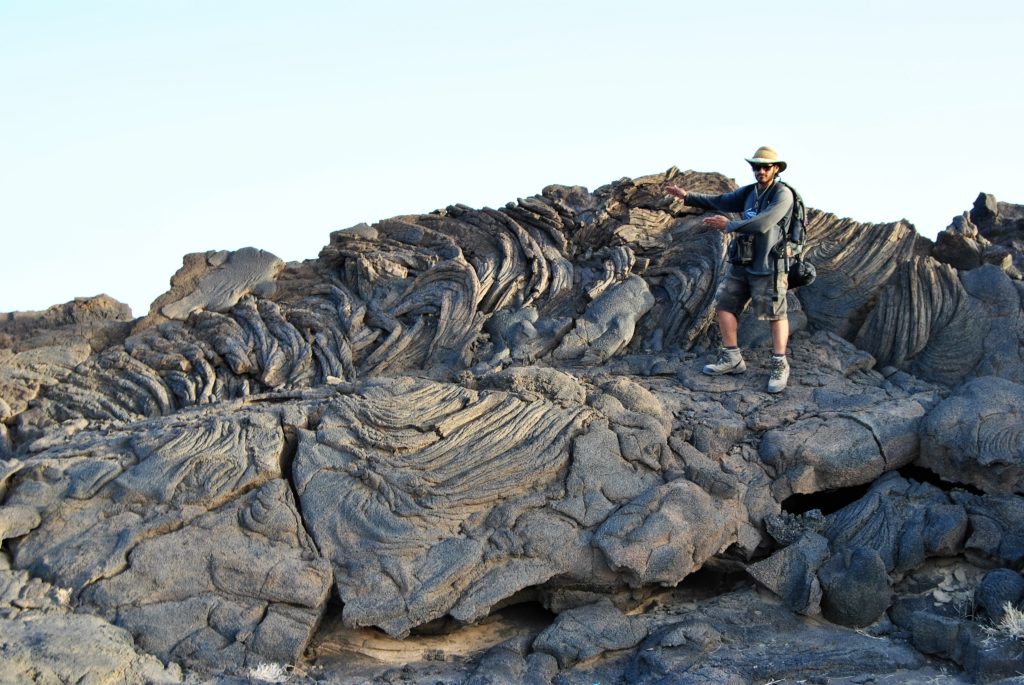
pixel 780 251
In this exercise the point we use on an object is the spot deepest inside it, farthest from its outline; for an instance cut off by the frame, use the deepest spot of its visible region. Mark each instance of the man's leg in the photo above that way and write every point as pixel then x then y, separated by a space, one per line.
pixel 770 304
pixel 780 335
pixel 732 296
pixel 779 377
pixel 728 328
pixel 730 360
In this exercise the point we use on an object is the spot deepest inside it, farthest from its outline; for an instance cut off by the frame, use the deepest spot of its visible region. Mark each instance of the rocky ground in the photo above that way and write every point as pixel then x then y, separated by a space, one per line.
pixel 476 446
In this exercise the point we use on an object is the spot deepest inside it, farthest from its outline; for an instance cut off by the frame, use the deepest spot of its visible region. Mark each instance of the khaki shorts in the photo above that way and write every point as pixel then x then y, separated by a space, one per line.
pixel 739 287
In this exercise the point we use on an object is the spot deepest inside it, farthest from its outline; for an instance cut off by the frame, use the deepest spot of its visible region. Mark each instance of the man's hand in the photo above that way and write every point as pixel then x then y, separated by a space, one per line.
pixel 716 221
pixel 676 191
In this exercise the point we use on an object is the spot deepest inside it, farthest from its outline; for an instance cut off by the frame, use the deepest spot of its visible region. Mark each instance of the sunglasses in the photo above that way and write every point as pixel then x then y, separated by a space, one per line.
pixel 761 167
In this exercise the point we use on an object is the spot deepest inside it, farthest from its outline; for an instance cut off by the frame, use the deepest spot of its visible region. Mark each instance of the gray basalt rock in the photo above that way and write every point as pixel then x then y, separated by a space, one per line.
pixel 492 493
pixel 786 528
pixel 503 664
pixel 98 322
pixel 24 374
pixel 216 281
pixel 1001 223
pixel 446 413
pixel 244 590
pixel 404 485
pixel 744 637
pixel 77 648
pixel 581 634
pixel 946 326
pixel 792 573
pixel 17 521
pixel 1000 587
pixel 844 570
pixel 854 262
pixel 856 589
pixel 842 448
pixel 905 522
pixel 44 642
pixel 976 436
pixel 675 647
pixel 666 533
pixel 941 630
pixel 609 325
pixel 407 293
pixel 996 532
pixel 23 596
pixel 960 245
pixel 185 534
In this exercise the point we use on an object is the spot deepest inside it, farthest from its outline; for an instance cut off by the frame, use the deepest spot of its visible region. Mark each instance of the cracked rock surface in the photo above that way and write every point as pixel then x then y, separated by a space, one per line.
pixel 447 417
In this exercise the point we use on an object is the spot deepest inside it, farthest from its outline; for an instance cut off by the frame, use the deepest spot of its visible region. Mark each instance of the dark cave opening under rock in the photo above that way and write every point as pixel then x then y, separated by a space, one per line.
pixel 826 501
pixel 830 501
pixel 924 475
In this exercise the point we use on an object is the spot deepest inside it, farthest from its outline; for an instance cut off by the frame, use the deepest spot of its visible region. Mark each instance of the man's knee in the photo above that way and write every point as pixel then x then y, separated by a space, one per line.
pixel 769 299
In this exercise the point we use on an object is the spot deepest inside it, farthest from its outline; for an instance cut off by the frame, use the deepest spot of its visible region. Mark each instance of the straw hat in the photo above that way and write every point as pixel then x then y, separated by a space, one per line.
pixel 767 155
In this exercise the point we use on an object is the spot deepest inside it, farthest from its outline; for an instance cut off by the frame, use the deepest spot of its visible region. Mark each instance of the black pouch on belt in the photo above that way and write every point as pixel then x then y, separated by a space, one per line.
pixel 741 251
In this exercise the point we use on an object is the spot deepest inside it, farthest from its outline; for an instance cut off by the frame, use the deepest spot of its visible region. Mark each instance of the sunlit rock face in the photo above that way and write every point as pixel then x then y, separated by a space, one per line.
pixel 446 413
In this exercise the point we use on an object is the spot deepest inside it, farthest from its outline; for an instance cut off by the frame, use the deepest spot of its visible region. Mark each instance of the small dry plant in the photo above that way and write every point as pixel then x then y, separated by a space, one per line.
pixel 1013 622
pixel 269 673
pixel 1011 625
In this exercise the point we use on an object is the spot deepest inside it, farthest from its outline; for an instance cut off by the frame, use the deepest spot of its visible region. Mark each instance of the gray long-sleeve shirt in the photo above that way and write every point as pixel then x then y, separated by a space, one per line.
pixel 763 215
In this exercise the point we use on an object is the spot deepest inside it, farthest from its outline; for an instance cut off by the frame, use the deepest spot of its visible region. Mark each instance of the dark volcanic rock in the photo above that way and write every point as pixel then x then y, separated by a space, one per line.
pixel 741 637
pixel 444 414
pixel 581 634
pixel 1002 224
pixel 998 588
pixel 842 448
pixel 976 436
pixel 986 656
pixel 855 587
pixel 996 533
pixel 905 522
pixel 99 322
pixel 183 532
pixel 791 573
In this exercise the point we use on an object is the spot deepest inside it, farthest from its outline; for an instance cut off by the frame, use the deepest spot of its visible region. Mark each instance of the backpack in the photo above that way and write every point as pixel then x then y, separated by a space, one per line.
pixel 800 273
pixel 797 220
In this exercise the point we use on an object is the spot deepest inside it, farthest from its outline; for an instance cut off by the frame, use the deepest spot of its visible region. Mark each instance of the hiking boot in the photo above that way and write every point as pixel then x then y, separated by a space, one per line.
pixel 780 374
pixel 729 361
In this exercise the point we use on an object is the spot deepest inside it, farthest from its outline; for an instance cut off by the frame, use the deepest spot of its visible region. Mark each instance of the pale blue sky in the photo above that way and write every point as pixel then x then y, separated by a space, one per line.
pixel 134 131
